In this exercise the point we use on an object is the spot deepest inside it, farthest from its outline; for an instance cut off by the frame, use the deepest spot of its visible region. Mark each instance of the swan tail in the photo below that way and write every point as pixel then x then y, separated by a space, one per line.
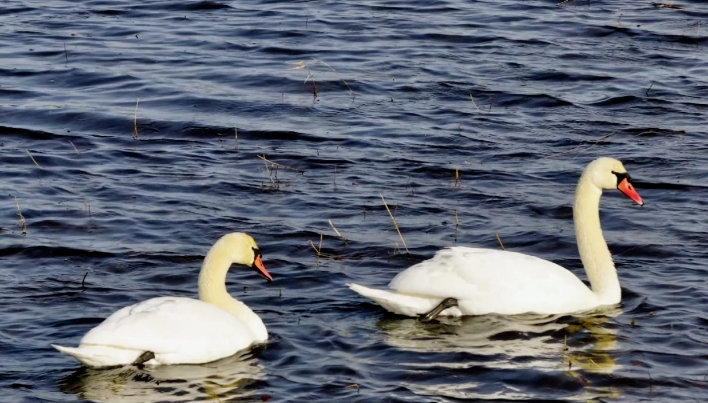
pixel 392 301
pixel 100 356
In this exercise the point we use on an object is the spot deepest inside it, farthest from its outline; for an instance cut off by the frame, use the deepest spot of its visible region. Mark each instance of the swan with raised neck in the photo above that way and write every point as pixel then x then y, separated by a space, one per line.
pixel 179 330
pixel 234 248
pixel 592 246
pixel 476 281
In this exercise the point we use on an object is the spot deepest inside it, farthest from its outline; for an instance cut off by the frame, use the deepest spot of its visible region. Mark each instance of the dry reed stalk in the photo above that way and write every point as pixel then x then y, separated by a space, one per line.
pixel 75 149
pixel 303 65
pixel 395 224
pixel 274 166
pixel 135 120
pixel 236 137
pixel 335 230
pixel 269 170
pixel 318 251
pixel 500 241
pixel 651 383
pixel 276 174
pixel 353 385
pixel 457 224
pixel 32 158
pixel 338 76
pixel 22 218
pixel 316 248
pixel 457 178
pixel 475 104
pixel 574 149
pixel 396 249
pixel 593 363
pixel 279 164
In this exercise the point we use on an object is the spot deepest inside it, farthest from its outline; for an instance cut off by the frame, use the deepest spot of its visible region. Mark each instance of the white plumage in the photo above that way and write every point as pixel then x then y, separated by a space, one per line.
pixel 494 281
pixel 483 281
pixel 180 330
pixel 177 330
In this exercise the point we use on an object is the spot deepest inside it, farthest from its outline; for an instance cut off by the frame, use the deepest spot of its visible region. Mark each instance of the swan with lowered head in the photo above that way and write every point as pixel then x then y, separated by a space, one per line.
pixel 178 330
pixel 475 281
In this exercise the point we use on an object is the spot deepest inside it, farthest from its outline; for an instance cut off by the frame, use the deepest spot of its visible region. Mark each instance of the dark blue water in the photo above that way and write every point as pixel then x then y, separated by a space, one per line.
pixel 131 108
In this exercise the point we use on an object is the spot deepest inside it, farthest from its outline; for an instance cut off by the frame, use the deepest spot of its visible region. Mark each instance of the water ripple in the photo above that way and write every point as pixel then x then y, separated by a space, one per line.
pixel 130 136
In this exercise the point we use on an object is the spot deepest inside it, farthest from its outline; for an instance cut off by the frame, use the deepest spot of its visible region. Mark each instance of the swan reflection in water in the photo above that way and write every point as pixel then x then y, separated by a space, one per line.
pixel 228 379
pixel 506 347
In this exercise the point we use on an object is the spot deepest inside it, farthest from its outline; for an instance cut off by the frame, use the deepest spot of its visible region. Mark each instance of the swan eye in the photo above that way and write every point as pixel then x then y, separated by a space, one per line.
pixel 256 253
pixel 621 177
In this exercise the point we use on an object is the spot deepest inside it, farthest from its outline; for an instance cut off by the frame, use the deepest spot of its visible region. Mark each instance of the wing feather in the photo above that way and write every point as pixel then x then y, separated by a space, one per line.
pixel 172 325
pixel 510 281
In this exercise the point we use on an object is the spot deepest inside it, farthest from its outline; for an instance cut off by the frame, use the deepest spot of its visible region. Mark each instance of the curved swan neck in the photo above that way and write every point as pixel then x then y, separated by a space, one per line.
pixel 592 247
pixel 212 288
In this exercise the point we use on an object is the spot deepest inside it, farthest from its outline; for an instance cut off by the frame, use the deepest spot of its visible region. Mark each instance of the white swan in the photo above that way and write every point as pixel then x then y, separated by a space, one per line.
pixel 473 281
pixel 178 330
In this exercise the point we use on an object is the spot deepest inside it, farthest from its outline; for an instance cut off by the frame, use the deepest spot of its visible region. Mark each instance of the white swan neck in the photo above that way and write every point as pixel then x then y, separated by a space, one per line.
pixel 212 289
pixel 592 247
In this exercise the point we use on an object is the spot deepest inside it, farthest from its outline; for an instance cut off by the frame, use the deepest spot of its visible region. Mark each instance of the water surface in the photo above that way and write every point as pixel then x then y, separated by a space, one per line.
pixel 131 110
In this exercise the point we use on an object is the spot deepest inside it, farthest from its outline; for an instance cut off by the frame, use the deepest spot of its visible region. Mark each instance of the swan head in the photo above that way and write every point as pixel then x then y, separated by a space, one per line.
pixel 244 251
pixel 609 173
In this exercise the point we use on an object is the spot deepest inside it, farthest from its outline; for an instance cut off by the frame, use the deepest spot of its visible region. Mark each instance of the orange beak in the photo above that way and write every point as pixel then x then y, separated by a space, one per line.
pixel 628 190
pixel 258 263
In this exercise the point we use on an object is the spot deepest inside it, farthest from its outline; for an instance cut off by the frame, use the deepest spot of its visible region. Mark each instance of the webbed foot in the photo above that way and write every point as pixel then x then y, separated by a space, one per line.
pixel 446 303
pixel 143 358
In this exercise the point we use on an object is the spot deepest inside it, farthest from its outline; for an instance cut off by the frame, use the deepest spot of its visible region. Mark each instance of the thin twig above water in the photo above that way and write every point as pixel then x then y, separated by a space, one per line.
pixel 395 224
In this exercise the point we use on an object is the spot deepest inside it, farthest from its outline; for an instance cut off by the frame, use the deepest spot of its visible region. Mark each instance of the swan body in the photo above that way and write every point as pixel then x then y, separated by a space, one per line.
pixel 487 281
pixel 178 330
